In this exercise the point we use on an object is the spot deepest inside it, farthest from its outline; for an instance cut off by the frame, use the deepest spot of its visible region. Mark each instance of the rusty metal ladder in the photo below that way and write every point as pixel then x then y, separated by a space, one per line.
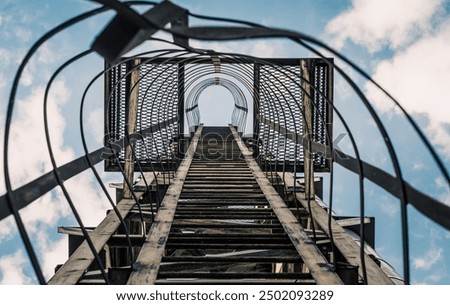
pixel 224 230
pixel 228 226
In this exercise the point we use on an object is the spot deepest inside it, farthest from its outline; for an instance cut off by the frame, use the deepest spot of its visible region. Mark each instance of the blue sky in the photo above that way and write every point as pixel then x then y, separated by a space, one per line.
pixel 404 44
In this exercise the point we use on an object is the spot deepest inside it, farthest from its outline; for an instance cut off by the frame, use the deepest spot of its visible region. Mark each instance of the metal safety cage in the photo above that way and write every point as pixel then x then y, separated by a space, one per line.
pixel 278 116
pixel 158 121
pixel 280 121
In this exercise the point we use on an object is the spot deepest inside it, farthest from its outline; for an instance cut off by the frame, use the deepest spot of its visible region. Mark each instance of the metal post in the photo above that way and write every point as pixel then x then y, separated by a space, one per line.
pixel 256 108
pixel 307 130
pixel 181 114
pixel 131 127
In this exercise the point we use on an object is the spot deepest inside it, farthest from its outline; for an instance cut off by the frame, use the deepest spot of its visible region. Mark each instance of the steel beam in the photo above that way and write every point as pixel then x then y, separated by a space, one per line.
pixel 307 116
pixel 145 269
pixel 314 260
pixel 342 240
pixel 130 127
pixel 74 268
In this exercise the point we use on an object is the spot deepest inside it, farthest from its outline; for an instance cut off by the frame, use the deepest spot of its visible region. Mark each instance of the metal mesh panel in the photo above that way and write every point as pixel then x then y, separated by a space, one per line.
pixel 281 99
pixel 280 95
pixel 279 119
pixel 115 112
pixel 157 113
pixel 321 117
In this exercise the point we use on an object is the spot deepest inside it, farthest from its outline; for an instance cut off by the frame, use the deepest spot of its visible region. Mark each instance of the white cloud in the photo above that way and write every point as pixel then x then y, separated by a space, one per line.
pixel 41 218
pixel 418 77
pixel 45 212
pixel 444 190
pixel 27 76
pixel 55 253
pixel 429 259
pixel 389 206
pixel 89 201
pixel 29 156
pixel 418 165
pixel 4 22
pixel 374 24
pixel 12 269
pixel 431 279
pixel 23 34
pixel 260 48
pixel 440 183
pixel 95 120
pixel 418 73
pixel 434 278
pixel 6 57
pixel 45 55
pixel 7 226
pixel 3 81
pixel 29 159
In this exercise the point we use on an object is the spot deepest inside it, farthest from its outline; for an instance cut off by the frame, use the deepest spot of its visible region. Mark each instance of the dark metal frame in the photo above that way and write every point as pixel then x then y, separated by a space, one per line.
pixel 322 122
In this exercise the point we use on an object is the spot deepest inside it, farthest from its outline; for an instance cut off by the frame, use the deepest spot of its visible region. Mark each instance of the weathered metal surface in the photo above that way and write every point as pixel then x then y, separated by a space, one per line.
pixel 319 267
pixel 234 259
pixel 208 198
pixel 237 275
pixel 131 129
pixel 73 269
pixel 222 229
pixel 342 240
pixel 308 114
pixel 145 269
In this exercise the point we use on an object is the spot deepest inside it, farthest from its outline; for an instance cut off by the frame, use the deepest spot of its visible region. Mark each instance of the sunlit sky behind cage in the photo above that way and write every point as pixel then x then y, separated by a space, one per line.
pixel 403 44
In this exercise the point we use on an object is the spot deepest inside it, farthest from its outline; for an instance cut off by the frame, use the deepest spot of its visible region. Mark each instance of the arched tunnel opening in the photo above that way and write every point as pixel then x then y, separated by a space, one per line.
pixel 216 106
